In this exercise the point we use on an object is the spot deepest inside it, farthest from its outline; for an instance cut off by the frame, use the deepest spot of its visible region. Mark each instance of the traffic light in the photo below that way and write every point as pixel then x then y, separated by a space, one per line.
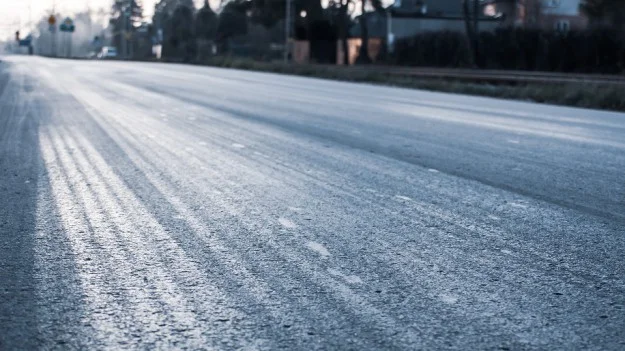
pixel 17 36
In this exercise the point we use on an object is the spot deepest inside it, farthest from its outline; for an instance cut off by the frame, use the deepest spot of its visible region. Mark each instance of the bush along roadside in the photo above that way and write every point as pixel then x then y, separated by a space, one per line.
pixel 597 50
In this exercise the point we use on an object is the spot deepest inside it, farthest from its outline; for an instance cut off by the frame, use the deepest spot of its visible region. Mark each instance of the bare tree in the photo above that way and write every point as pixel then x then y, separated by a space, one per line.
pixel 471 11
pixel 363 55
pixel 342 11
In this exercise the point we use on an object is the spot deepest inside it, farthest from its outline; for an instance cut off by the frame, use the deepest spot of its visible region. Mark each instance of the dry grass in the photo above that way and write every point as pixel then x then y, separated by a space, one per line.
pixel 608 97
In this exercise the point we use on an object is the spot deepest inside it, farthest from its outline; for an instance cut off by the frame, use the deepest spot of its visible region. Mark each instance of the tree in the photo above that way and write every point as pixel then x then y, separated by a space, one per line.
pixel 205 30
pixel 232 21
pixel 180 33
pixel 175 18
pixel 126 15
pixel 533 13
pixel 267 12
pixel 132 10
pixel 471 13
pixel 168 7
pixel 363 55
pixel 206 22
pixel 342 11
pixel 610 12
pixel 164 10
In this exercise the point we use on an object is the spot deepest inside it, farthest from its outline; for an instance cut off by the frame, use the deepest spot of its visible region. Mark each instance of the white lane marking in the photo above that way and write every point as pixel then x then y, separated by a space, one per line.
pixel 513 141
pixel 433 170
pixel 238 146
pixel 507 252
pixel 351 279
pixel 151 136
pixel 287 223
pixel 318 248
pixel 448 299
pixel 493 217
pixel 203 143
pixel 295 209
pixel 518 205
pixel 401 197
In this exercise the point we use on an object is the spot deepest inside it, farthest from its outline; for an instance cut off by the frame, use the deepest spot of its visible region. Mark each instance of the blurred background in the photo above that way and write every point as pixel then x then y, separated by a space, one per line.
pixel 585 36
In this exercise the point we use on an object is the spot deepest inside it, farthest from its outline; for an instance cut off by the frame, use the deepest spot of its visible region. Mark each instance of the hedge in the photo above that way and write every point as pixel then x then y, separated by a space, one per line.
pixel 598 50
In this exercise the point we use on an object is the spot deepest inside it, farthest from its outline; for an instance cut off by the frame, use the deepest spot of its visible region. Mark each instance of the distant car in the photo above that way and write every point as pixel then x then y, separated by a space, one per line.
pixel 107 52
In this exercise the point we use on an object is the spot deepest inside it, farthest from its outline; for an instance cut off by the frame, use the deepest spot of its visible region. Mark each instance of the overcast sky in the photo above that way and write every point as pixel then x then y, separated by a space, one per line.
pixel 12 12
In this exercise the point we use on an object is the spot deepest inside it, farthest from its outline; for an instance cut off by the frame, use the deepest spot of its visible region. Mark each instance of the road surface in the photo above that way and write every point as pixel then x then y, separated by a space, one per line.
pixel 154 206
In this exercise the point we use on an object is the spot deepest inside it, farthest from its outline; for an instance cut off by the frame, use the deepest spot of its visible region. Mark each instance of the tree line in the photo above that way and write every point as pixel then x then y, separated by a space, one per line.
pixel 246 27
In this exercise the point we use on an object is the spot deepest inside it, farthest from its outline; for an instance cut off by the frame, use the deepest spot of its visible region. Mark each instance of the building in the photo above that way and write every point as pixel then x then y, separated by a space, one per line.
pixel 406 18
pixel 409 17
pixel 560 15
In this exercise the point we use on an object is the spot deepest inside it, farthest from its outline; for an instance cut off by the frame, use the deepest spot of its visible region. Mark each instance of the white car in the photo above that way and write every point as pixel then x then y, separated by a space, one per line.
pixel 107 52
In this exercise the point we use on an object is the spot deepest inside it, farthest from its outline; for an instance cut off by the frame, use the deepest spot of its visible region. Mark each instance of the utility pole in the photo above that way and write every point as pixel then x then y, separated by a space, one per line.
pixel 90 20
pixel 389 32
pixel 129 41
pixel 123 30
pixel 30 26
pixel 53 53
pixel 287 30
pixel 125 20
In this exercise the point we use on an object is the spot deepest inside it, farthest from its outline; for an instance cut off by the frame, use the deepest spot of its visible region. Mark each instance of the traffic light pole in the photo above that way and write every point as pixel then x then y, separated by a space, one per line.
pixel 53 53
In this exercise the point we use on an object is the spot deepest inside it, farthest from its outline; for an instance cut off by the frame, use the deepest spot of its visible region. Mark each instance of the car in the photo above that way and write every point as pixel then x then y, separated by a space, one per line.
pixel 107 52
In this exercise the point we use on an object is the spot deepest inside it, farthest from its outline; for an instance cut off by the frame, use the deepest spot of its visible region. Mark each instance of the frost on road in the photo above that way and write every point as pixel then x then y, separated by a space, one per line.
pixel 152 206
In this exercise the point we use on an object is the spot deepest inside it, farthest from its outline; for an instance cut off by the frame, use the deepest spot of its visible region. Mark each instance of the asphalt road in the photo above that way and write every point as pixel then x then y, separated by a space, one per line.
pixel 147 206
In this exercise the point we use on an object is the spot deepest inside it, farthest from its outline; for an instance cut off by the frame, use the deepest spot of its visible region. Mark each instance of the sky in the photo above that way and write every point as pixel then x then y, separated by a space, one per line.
pixel 14 12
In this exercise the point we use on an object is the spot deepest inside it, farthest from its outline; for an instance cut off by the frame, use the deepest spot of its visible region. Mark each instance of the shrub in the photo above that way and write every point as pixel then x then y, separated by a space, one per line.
pixel 599 50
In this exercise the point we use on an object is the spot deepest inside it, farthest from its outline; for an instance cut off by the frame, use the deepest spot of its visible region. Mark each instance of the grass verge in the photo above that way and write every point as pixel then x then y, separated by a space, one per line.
pixel 597 96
